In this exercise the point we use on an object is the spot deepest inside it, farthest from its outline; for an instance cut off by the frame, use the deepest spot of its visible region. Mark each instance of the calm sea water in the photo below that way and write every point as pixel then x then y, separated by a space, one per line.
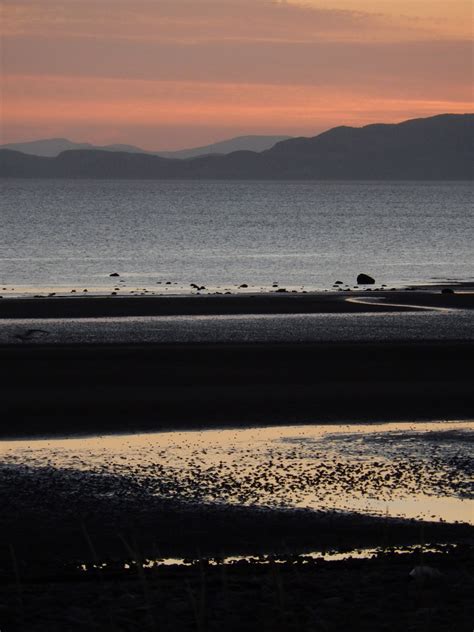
pixel 74 233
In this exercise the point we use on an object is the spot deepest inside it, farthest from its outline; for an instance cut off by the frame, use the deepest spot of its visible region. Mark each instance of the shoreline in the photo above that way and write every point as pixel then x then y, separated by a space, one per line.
pixel 124 384
pixel 79 435
pixel 57 519
pixel 331 302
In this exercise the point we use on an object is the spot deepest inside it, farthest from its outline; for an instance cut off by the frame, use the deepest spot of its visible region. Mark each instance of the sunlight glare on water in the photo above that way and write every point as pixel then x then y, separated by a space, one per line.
pixel 421 470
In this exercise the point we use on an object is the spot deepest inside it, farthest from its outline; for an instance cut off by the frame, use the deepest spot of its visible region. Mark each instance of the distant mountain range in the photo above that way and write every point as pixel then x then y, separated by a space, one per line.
pixel 240 143
pixel 51 147
pixel 435 148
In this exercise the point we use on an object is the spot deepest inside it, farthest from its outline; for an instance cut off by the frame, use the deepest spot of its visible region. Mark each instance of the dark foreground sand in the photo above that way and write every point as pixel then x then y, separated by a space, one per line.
pixel 67 388
pixel 366 595
pixel 96 388
pixel 54 521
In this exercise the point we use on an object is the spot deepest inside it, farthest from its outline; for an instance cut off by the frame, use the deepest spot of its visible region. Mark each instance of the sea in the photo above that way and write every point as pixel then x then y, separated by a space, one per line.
pixel 163 236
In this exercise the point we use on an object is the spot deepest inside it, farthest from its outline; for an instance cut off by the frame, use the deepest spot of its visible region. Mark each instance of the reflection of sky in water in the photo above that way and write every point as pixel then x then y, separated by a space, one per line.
pixel 221 233
pixel 329 556
pixel 399 469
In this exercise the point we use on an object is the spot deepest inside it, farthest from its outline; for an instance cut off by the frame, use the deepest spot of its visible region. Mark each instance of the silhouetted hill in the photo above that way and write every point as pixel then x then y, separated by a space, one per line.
pixel 439 147
pixel 51 147
pixel 239 143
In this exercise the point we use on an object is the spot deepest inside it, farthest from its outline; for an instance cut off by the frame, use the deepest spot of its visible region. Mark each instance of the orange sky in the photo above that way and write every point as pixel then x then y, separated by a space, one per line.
pixel 167 74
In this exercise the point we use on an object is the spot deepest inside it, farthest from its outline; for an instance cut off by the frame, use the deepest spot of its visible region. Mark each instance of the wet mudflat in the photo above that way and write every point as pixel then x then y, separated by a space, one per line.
pixel 239 318
pixel 120 506
pixel 295 595
pixel 421 471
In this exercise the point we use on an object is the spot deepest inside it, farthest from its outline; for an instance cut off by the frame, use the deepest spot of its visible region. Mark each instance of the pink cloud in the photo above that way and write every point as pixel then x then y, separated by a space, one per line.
pixel 190 68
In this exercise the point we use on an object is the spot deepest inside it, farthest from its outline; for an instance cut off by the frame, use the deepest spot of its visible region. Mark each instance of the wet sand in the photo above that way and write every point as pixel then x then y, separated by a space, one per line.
pixel 55 518
pixel 59 520
pixel 159 382
pixel 407 470
pixel 81 306
pixel 109 388
pixel 68 505
pixel 227 492
pixel 407 355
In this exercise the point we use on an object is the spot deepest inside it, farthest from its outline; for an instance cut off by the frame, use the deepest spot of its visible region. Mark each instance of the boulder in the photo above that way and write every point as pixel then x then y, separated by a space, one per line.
pixel 365 279
pixel 114 274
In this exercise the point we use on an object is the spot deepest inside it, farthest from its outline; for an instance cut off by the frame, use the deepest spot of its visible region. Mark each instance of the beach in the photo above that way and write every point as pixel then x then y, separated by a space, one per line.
pixel 272 301
pixel 292 594
pixel 101 364
pixel 90 542
pixel 97 370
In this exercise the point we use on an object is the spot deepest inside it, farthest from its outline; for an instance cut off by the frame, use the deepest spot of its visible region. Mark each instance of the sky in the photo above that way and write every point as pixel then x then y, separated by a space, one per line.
pixel 170 74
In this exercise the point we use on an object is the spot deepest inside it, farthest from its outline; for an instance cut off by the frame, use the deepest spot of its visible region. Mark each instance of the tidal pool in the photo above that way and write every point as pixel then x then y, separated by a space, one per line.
pixel 411 470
